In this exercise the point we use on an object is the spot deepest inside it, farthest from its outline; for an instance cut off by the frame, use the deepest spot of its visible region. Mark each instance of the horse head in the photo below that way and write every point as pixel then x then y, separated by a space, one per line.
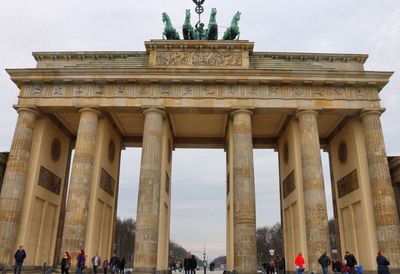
pixel 213 12
pixel 236 17
pixel 187 15
pixel 165 17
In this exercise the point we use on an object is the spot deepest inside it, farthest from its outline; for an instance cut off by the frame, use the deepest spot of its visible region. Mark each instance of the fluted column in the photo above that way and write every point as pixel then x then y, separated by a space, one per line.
pixel 316 217
pixel 76 213
pixel 14 183
pixel 147 223
pixel 383 198
pixel 244 214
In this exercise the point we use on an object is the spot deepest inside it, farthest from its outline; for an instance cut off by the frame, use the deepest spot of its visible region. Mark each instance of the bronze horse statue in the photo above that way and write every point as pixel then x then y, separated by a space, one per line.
pixel 212 31
pixel 187 28
pixel 233 31
pixel 170 32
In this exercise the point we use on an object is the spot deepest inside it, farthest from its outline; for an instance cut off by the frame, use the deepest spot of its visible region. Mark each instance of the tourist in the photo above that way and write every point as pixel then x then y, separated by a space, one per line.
pixel 81 260
pixel 351 262
pixel 271 266
pixel 283 265
pixel 383 263
pixel 65 263
pixel 299 262
pixel 192 265
pixel 114 263
pixel 345 268
pixel 278 265
pixel 19 257
pixel 105 266
pixel 96 261
pixel 324 261
pixel 186 264
pixel 265 268
pixel 337 267
pixel 122 265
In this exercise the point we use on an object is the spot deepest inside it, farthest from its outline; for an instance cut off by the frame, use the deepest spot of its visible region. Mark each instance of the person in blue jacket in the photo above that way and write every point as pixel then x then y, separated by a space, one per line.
pixel 19 257
pixel 383 263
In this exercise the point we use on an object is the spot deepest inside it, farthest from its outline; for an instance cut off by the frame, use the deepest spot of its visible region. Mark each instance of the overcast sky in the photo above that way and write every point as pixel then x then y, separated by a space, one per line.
pixel 198 176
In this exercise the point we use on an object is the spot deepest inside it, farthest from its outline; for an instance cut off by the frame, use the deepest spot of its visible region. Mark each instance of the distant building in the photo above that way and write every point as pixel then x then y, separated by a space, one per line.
pixel 3 164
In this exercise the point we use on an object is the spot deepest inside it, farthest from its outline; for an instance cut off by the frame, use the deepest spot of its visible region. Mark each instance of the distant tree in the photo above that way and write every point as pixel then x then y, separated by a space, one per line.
pixel 269 238
pixel 332 233
pixel 219 261
pixel 125 239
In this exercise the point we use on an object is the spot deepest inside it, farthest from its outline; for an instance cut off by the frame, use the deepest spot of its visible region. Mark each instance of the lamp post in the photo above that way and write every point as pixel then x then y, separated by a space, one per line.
pixel 204 260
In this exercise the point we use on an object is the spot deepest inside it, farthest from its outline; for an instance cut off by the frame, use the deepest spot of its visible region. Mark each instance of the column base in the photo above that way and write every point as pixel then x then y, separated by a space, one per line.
pixel 150 271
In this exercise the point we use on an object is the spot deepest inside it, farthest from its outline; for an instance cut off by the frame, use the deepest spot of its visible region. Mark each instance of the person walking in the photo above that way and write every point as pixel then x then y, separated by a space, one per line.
pixel 193 265
pixel 96 262
pixel 81 261
pixel 186 266
pixel 299 262
pixel 105 266
pixel 324 261
pixel 337 267
pixel 65 263
pixel 122 265
pixel 19 257
pixel 383 263
pixel 351 262
pixel 114 263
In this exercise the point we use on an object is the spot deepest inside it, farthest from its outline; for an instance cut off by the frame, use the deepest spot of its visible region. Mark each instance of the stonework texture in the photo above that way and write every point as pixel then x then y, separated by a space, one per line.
pixel 313 189
pixel 13 189
pixel 76 214
pixel 383 198
pixel 3 164
pixel 147 222
pixel 244 215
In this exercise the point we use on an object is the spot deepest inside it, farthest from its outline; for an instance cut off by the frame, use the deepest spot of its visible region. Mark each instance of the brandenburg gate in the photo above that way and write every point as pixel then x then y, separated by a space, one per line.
pixel 197 94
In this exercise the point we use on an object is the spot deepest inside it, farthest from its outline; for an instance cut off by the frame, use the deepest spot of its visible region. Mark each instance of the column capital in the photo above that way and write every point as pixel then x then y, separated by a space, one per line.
pixel 90 109
pixel 371 111
pixel 154 109
pixel 300 112
pixel 31 109
pixel 242 110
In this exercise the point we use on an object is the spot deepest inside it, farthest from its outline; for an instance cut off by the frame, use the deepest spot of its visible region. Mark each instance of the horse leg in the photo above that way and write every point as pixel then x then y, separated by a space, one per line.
pixel 238 35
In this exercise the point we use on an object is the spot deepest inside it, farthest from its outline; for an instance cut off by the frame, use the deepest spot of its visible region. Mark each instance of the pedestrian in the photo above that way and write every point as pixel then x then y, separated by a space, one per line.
pixel 96 262
pixel 278 265
pixel 345 268
pixel 114 263
pixel 122 265
pixel 81 262
pixel 383 263
pixel 271 266
pixel 283 265
pixel 299 262
pixel 337 267
pixel 193 265
pixel 19 257
pixel 186 265
pixel 324 261
pixel 351 262
pixel 265 268
pixel 105 266
pixel 65 263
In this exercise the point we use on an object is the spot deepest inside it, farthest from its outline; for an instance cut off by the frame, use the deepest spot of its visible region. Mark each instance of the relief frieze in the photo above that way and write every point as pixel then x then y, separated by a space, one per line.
pixel 199 59
pixel 49 180
pixel 347 184
pixel 107 182
pixel 288 184
pixel 126 90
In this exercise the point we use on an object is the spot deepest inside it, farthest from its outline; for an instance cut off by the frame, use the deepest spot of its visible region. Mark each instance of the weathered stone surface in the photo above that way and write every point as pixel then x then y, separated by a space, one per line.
pixel 244 215
pixel 3 164
pixel 313 188
pixel 13 189
pixel 383 198
pixel 147 222
pixel 80 184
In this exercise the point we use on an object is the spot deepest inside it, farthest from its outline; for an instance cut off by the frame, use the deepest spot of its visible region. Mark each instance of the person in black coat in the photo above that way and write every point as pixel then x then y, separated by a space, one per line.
pixel 351 262
pixel 19 257
pixel 193 264
pixel 382 263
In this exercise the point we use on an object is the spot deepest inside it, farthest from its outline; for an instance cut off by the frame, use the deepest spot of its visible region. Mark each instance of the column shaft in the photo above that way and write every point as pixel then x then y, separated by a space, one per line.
pixel 147 223
pixel 80 184
pixel 244 230
pixel 14 184
pixel 313 187
pixel 383 198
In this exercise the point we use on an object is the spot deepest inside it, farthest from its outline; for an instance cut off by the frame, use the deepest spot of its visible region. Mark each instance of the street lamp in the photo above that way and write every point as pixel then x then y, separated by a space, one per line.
pixel 204 260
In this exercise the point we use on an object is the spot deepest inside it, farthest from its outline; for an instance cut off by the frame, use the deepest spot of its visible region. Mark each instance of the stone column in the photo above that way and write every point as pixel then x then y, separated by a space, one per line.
pixel 76 213
pixel 148 209
pixel 383 198
pixel 316 217
pixel 244 208
pixel 14 184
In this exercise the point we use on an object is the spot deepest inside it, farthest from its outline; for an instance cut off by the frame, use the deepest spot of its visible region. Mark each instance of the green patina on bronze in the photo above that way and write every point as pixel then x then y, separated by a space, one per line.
pixel 198 32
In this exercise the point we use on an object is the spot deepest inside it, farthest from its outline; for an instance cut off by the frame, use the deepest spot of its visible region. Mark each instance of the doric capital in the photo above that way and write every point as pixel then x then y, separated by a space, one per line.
pixel 372 111
pixel 301 112
pixel 90 109
pixel 31 109
pixel 153 109
pixel 242 110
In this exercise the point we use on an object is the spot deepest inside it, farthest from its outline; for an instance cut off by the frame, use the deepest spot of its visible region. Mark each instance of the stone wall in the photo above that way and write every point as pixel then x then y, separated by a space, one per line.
pixel 394 165
pixel 3 163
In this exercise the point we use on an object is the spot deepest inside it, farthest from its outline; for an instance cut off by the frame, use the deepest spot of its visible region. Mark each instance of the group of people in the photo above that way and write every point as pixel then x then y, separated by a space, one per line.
pixel 190 264
pixel 115 265
pixel 348 266
pixel 276 265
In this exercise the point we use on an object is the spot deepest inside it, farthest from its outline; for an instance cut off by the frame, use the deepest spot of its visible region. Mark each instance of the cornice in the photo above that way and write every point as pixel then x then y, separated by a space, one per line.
pixel 222 76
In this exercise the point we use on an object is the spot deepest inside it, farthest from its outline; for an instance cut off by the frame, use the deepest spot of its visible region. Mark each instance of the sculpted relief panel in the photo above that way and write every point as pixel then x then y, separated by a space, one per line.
pixel 126 90
pixel 199 59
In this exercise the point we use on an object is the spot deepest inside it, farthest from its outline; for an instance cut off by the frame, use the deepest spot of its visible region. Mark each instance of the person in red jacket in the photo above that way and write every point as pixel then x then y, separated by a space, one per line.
pixel 299 262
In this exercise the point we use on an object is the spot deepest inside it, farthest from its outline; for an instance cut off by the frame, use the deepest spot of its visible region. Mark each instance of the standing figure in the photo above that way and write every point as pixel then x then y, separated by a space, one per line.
pixel 299 262
pixel 114 263
pixel 351 262
pixel 65 263
pixel 19 257
pixel 186 265
pixel 81 260
pixel 105 266
pixel 324 261
pixel 193 265
pixel 96 261
pixel 122 265
pixel 383 263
